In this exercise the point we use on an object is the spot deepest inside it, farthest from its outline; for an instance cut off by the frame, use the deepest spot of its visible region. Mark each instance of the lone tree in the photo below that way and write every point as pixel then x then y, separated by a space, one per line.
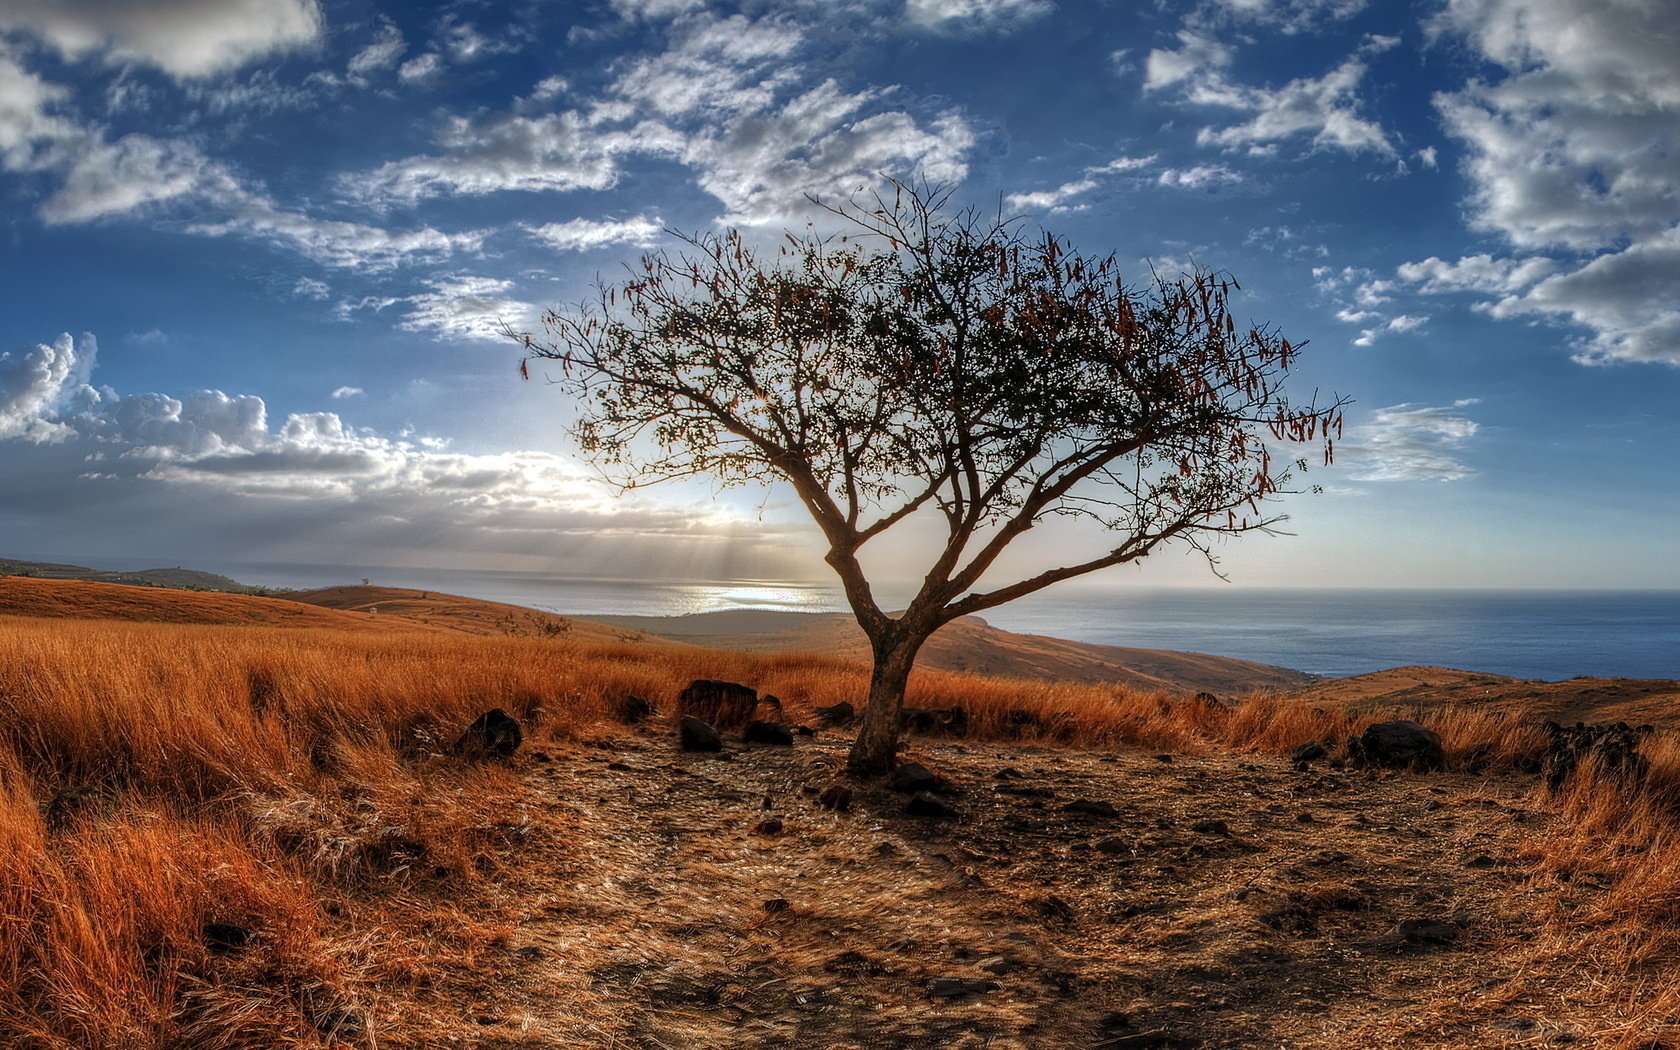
pixel 931 361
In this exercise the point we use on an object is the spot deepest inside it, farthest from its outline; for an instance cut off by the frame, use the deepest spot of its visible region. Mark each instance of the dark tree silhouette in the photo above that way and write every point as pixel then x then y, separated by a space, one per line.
pixel 935 362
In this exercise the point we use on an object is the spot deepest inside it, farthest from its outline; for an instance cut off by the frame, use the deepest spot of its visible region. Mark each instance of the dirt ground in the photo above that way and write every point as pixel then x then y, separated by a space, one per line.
pixel 652 907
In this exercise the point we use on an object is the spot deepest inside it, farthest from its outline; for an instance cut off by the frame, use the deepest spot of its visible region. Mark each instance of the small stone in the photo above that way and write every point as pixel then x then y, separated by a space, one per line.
pixel 633 709
pixel 999 965
pixel 529 953
pixel 959 987
pixel 1304 817
pixel 767 733
pixel 1311 751
pixel 225 938
pixel 1091 808
pixel 1024 791
pixel 494 734
pixel 836 715
pixel 927 804
pixel 1112 845
pixel 621 767
pixel 770 826
pixel 1431 806
pixel 912 777
pixel 696 735
pixel 776 904
pixel 885 849
pixel 1425 931
pixel 1007 773
pixel 1482 861
pixel 1165 759
pixel 836 797
pixel 1211 827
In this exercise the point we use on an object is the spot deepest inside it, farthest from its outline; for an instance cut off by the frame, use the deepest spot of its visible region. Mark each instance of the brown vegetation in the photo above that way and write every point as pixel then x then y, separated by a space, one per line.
pixel 161 784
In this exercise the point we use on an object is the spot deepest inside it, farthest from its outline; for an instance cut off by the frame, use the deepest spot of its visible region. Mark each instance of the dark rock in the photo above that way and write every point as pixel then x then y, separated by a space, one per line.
pixel 1165 760
pixel 1311 751
pixel 841 714
pixel 836 797
pixel 999 965
pixel 633 709
pixel 716 702
pixel 696 735
pixel 621 767
pixel 767 733
pixel 770 826
pixel 1397 745
pixel 492 735
pixel 1024 791
pixel 927 804
pixel 776 904
pixel 1054 909
pixel 1211 827
pixel 951 721
pixel 1611 750
pixel 911 777
pixel 1482 861
pixel 1007 773
pixel 804 731
pixel 1426 931
pixel 959 987
pixel 1019 721
pixel 772 707
pixel 1112 845
pixel 73 801
pixel 225 938
pixel 1086 807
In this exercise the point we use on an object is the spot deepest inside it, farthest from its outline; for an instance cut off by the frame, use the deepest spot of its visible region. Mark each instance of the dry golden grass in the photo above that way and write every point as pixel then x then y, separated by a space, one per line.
pixel 260 776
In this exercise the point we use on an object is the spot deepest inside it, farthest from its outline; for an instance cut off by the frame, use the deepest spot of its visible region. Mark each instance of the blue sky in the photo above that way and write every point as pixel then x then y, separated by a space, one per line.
pixel 256 252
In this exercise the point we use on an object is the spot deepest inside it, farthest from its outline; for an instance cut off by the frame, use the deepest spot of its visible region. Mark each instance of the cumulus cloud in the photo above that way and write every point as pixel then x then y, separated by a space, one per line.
pixel 1572 150
pixel 1325 109
pixel 213 472
pixel 1409 442
pixel 727 97
pixel 1475 273
pixel 974 14
pixel 346 392
pixel 184 38
pixel 467 306
pixel 579 235
pixel 1061 198
pixel 385 51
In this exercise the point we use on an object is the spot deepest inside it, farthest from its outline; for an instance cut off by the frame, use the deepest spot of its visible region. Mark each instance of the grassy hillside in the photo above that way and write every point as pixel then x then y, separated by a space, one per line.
pixel 176 578
pixel 256 836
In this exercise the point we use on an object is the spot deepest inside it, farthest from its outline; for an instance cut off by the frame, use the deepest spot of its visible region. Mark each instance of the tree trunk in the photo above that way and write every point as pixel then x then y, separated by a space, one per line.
pixel 875 750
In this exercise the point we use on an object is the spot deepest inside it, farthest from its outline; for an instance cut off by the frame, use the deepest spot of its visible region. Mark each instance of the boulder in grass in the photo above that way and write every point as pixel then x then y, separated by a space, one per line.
pixel 695 735
pixel 494 734
pixel 717 703
pixel 1400 744
pixel 911 777
pixel 1311 751
pixel 927 804
pixel 841 714
pixel 767 733
pixel 633 710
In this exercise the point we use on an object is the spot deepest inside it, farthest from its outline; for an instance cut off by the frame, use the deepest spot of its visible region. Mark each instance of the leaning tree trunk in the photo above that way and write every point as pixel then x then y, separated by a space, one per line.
pixel 876 747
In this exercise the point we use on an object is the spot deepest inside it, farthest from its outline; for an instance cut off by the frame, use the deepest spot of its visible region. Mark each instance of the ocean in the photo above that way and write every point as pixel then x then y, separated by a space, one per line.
pixel 1526 634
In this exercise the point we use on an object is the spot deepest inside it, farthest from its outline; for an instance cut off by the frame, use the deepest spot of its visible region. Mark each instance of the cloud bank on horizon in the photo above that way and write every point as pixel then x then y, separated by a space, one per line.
pixel 1461 203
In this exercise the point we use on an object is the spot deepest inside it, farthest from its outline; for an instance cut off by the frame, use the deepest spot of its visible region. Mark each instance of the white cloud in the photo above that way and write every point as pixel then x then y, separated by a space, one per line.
pixel 1060 198
pixel 1197 56
pixel 1575 150
pixel 346 392
pixel 466 306
pixel 1199 176
pixel 580 235
pixel 212 471
pixel 1410 443
pixel 1475 273
pixel 421 68
pixel 728 98
pixel 1326 109
pixel 184 38
pixel 387 48
pixel 975 14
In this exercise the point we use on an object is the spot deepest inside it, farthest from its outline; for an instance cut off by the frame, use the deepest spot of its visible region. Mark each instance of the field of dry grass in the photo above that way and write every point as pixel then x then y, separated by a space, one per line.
pixel 253 836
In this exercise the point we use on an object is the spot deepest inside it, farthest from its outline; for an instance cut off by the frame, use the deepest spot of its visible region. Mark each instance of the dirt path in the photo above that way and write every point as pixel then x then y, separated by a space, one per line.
pixel 653 914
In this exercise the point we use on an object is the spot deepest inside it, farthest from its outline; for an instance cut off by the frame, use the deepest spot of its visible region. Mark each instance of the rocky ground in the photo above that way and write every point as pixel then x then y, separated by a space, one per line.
pixel 672 900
